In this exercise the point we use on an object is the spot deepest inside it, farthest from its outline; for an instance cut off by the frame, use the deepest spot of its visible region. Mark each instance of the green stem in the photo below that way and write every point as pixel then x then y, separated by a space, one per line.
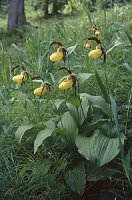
pixel 101 85
pixel 46 103
pixel 108 91
pixel 82 111
pixel 38 109
pixel 129 103
pixel 37 103
pixel 68 62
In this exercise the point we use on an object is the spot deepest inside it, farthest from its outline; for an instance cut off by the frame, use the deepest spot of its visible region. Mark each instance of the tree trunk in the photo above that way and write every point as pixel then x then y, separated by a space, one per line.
pixel 16 15
pixel 55 7
pixel 46 4
pixel 93 2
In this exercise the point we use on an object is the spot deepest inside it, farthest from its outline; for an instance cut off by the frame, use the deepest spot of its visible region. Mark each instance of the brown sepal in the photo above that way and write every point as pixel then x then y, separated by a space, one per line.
pixel 65 68
pixel 16 66
pixel 94 38
pixel 54 42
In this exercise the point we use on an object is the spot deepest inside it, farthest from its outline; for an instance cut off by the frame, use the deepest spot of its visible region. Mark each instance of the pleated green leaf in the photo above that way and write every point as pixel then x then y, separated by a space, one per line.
pixel 74 100
pixel 71 49
pixel 95 173
pixel 76 178
pixel 21 131
pixel 79 114
pixel 98 102
pixel 69 124
pixel 58 102
pixel 82 77
pixel 98 148
pixel 42 135
pixel 101 85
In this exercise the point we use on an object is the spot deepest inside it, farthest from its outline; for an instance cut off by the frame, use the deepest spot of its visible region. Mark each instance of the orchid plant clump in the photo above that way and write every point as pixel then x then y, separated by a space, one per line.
pixel 92 142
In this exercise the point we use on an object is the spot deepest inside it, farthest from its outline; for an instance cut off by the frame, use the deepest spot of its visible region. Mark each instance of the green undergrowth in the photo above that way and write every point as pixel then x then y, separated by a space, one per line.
pixel 46 144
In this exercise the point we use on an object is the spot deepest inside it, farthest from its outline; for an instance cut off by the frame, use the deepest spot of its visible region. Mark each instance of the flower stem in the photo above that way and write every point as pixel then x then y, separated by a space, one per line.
pixel 127 115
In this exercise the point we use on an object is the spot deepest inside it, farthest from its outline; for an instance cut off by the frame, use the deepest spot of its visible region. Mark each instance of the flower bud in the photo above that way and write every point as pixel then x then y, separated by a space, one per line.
pixel 87 45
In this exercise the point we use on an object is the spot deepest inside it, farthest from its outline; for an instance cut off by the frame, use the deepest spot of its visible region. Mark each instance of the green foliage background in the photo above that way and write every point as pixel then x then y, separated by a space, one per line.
pixel 62 168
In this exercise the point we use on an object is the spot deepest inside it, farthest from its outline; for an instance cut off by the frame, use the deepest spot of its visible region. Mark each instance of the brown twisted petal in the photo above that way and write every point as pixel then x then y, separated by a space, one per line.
pixel 65 68
pixel 94 38
pixel 36 78
pixel 54 42
pixel 16 66
pixel 104 54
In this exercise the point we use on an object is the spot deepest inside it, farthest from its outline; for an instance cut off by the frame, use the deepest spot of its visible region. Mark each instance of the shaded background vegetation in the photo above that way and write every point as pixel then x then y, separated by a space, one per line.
pixel 44 175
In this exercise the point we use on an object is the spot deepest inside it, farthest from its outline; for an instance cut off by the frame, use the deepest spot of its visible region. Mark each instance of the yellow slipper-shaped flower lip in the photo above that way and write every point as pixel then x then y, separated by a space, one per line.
pixel 66 84
pixel 18 78
pixel 57 56
pixel 39 91
pixel 95 53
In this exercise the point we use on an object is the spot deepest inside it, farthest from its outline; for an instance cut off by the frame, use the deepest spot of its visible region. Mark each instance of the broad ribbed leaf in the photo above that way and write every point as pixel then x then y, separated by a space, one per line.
pixel 98 173
pixel 71 49
pixel 74 100
pixel 98 148
pixel 76 179
pixel 98 102
pixel 42 135
pixel 58 102
pixel 82 77
pixel 79 114
pixel 101 85
pixel 50 124
pixel 21 131
pixel 94 126
pixel 115 114
pixel 68 123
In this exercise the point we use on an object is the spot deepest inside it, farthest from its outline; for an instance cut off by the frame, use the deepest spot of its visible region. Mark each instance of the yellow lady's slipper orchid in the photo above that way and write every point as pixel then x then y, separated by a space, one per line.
pixel 66 84
pixel 57 56
pixel 18 78
pixel 95 53
pixel 40 90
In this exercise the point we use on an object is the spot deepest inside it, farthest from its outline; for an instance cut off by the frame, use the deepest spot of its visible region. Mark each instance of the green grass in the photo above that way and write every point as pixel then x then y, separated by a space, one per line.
pixel 21 173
